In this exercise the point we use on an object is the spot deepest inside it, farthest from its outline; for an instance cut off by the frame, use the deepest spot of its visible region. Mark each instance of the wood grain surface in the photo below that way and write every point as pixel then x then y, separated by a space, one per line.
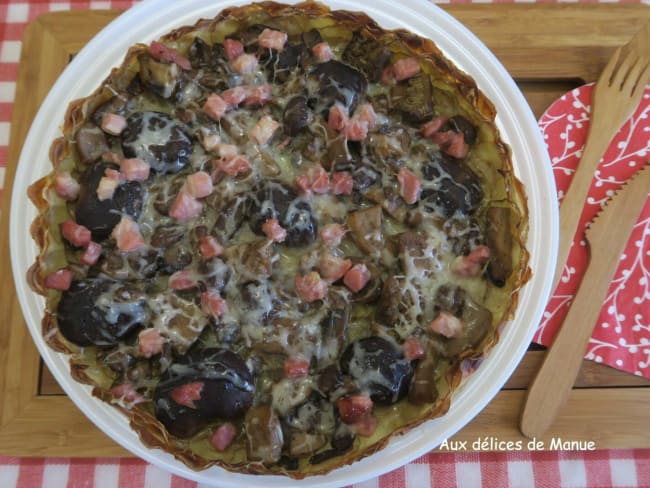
pixel 548 49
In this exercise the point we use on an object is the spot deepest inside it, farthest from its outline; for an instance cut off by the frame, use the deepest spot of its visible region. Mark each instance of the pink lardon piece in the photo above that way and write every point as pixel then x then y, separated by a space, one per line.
pixel 185 207
pixel 135 169
pixel 127 235
pixel 272 39
pixel 66 186
pixel 150 342
pixel 262 132
pixel 113 124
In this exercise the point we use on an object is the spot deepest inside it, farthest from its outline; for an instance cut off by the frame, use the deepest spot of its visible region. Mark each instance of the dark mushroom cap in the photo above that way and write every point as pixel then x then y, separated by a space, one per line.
pixel 275 200
pixel 455 187
pixel 91 312
pixel 227 391
pixel 157 139
pixel 379 368
pixel 100 216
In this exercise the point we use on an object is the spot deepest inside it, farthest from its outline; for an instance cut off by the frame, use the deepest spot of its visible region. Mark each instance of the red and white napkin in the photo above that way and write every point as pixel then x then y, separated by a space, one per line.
pixel 621 336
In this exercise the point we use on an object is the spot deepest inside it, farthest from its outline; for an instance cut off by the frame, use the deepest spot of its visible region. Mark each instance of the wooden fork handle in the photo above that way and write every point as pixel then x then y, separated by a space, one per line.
pixel 562 362
pixel 574 199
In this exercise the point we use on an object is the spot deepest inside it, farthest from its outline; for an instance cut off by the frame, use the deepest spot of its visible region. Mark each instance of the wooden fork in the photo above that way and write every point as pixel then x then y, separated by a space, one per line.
pixel 616 94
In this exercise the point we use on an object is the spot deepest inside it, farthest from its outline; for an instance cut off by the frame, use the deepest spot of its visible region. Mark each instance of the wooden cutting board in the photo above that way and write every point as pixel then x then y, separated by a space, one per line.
pixel 548 48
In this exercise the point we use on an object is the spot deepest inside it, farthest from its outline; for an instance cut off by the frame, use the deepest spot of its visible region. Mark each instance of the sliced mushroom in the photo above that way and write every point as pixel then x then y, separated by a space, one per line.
pixel 303 443
pixel 388 307
pixel 413 97
pixel 297 115
pixel 423 388
pixel 90 142
pixel 334 326
pixel 263 434
pixel 367 55
pixel 160 78
pixel 366 229
pixel 499 240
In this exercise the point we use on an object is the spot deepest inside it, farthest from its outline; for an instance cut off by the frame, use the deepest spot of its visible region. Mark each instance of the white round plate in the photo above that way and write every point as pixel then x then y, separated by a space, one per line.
pixel 153 18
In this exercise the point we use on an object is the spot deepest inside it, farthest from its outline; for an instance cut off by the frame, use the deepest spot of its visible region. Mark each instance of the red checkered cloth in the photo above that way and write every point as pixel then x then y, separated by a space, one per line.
pixel 604 468
pixel 588 469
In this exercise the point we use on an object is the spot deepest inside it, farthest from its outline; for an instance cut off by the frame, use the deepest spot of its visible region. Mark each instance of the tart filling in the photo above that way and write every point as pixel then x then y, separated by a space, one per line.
pixel 277 238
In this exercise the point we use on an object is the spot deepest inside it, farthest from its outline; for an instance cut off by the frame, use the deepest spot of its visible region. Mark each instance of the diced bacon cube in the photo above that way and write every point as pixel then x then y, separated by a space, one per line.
pixel 213 304
pixel 433 126
pixel 215 107
pixel 233 49
pixel 209 247
pixel 356 130
pixel 111 157
pixel 342 183
pixel 272 39
pixel 406 68
pixel 452 143
pixel 471 265
pixel 127 235
pixel 447 325
pixel 357 277
pixel 91 254
pixel 296 368
pixel 310 287
pixel 75 234
pixel 258 95
pixel 337 118
pixel 106 188
pixel 303 183
pixel 187 394
pixel 413 349
pixel 443 139
pixel 127 393
pixel 223 436
pixel 227 151
pixel 113 124
pixel 66 186
pixel 199 184
pixel 410 186
pixel 182 280
pixel 388 76
pixel 185 207
pixel 235 166
pixel 262 132
pixel 210 142
pixel 274 231
pixel 365 427
pixel 59 280
pixel 150 342
pixel 163 53
pixel 135 169
pixel 457 148
pixel 332 234
pixel 322 51
pixel 234 96
pixel 315 180
pixel 114 174
pixel 320 180
pixel 245 64
pixel 366 113
pixel 353 408
pixel 332 267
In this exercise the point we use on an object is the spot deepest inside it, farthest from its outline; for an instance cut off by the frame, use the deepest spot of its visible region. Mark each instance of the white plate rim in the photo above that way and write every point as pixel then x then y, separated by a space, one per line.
pixel 150 19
